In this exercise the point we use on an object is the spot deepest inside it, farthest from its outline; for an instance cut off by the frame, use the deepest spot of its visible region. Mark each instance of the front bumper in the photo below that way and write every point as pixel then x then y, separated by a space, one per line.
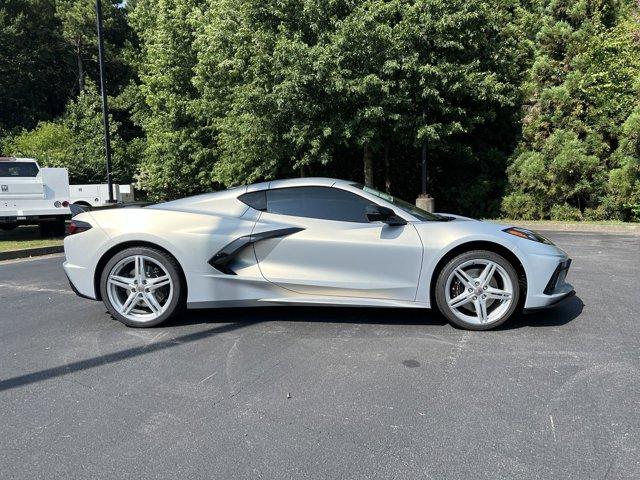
pixel 556 288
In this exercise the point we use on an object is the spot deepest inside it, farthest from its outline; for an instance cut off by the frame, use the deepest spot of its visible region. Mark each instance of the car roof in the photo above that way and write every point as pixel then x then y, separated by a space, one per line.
pixel 306 182
pixel 16 159
pixel 202 201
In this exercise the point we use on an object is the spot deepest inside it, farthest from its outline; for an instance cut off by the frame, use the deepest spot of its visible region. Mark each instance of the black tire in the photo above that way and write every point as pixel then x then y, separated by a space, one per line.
pixel 52 228
pixel 440 294
pixel 58 228
pixel 172 267
pixel 7 227
pixel 44 229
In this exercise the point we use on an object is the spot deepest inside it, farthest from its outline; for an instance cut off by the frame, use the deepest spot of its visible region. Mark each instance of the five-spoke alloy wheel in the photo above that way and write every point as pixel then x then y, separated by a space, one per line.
pixel 478 290
pixel 141 287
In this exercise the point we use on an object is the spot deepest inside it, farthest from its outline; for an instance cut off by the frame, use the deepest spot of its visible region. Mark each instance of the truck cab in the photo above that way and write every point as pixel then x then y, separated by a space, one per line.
pixel 31 195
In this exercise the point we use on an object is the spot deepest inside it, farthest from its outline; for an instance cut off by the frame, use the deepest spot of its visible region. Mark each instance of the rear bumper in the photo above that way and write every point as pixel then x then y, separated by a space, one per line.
pixel 31 219
pixel 75 290
pixel 80 280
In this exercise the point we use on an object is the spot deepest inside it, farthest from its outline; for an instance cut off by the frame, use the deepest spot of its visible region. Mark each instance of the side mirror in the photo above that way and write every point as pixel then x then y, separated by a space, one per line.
pixel 377 213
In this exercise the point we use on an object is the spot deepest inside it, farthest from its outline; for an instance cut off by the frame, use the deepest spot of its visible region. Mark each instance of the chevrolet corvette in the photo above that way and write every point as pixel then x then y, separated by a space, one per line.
pixel 308 241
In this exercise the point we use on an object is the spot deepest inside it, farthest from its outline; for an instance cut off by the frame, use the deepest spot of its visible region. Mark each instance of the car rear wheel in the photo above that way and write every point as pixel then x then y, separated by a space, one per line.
pixel 142 287
pixel 478 290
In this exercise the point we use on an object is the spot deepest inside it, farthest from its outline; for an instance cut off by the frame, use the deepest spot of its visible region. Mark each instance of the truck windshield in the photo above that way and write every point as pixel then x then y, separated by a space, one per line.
pixel 402 205
pixel 18 169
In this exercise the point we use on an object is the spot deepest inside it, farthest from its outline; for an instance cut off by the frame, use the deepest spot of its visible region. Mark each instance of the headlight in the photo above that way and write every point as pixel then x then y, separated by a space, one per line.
pixel 528 234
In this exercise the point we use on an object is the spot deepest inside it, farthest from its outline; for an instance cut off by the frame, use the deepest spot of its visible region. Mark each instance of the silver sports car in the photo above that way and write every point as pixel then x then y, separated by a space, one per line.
pixel 311 241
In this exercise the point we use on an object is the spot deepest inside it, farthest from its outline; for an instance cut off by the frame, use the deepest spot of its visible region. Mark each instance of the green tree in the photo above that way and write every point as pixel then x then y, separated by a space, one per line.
pixel 34 80
pixel 78 28
pixel 285 85
pixel 75 141
pixel 78 21
pixel 176 160
pixel 583 86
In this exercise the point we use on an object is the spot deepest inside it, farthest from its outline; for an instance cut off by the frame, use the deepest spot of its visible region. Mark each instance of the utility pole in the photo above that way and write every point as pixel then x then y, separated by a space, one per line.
pixel 105 108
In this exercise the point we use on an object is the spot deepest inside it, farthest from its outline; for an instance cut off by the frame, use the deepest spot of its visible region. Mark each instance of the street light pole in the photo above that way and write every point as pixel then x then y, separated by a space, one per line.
pixel 105 108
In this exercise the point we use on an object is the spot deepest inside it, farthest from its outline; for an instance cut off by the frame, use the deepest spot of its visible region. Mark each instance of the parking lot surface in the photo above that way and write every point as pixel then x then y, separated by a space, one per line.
pixel 329 393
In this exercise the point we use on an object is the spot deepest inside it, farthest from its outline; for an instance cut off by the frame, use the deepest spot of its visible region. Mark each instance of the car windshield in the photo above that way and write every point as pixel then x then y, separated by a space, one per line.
pixel 402 205
pixel 18 169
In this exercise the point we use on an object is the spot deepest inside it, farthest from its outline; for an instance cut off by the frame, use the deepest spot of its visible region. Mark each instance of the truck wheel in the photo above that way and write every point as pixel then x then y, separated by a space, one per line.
pixel 52 228
pixel 8 226
pixel 58 228
pixel 44 228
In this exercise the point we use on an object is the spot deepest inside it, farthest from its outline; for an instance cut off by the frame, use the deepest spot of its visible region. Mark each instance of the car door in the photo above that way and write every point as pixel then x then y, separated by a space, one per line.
pixel 330 248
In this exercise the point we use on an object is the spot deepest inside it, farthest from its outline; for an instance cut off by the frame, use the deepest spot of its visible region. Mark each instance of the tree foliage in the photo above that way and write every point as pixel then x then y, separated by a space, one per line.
pixel 33 73
pixel 75 141
pixel 304 84
pixel 526 107
pixel 577 152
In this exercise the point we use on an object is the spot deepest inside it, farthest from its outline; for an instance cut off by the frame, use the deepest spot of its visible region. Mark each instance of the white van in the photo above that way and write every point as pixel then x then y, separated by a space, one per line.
pixel 30 195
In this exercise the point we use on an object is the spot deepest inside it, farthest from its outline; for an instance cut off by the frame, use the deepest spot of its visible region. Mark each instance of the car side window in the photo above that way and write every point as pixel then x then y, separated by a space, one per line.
pixel 257 200
pixel 318 202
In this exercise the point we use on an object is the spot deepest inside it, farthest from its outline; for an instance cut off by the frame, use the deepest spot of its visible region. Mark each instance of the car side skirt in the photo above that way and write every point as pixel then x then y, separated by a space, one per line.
pixel 319 301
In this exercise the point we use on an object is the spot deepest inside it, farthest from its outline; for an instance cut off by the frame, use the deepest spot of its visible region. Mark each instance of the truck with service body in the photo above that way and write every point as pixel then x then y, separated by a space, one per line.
pixel 97 195
pixel 33 195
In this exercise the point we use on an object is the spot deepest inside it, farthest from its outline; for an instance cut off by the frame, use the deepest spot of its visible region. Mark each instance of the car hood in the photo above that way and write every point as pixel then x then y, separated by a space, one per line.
pixel 453 216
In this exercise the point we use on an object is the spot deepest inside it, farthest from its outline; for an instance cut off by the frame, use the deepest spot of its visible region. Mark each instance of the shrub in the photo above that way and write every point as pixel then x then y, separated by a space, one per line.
pixel 523 206
pixel 565 212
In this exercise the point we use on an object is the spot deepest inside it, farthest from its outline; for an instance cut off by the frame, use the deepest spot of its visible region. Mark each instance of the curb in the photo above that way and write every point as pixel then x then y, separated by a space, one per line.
pixel 30 252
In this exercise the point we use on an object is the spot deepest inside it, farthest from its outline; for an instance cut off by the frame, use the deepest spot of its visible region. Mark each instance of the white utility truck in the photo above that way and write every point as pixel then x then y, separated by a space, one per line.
pixel 97 195
pixel 30 195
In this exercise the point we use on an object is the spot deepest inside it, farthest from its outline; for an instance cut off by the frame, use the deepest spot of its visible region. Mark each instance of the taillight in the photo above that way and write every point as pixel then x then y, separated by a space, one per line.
pixel 65 204
pixel 78 226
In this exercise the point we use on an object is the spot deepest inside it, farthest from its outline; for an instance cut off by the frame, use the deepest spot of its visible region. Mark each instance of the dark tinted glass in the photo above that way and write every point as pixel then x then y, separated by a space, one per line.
pixel 18 169
pixel 257 200
pixel 318 202
pixel 406 206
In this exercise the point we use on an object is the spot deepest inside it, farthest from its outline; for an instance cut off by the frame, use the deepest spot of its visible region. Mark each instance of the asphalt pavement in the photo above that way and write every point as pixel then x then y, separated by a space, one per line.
pixel 324 393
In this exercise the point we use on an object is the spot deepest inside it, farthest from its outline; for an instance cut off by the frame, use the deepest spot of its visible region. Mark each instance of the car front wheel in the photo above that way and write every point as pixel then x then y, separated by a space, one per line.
pixel 142 287
pixel 478 290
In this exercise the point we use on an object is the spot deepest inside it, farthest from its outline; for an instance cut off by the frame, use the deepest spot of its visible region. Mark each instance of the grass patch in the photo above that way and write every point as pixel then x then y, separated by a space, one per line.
pixel 612 226
pixel 562 222
pixel 25 237
pixel 6 245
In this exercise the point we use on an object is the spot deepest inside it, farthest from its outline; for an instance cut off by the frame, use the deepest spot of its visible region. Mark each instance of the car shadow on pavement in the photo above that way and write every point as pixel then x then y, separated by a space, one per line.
pixel 227 320
pixel 118 356
pixel 348 315
pixel 550 317
pixel 554 316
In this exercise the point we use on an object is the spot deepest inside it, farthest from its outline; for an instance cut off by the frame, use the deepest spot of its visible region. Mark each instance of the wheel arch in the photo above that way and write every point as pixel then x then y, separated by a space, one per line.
pixel 130 244
pixel 479 245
